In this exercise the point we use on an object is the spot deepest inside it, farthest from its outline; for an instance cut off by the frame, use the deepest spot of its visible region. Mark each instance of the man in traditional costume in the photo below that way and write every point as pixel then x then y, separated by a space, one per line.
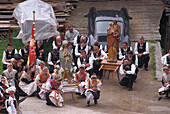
pixel 80 77
pixel 41 80
pixel 123 50
pixel 97 57
pixel 53 60
pixel 165 89
pixel 57 43
pixel 27 84
pixel 66 57
pixel 127 69
pixel 92 89
pixel 40 55
pixel 10 73
pixel 142 51
pixel 166 59
pixel 87 61
pixel 113 36
pixel 133 60
pixel 53 94
pixel 24 52
pixel 8 54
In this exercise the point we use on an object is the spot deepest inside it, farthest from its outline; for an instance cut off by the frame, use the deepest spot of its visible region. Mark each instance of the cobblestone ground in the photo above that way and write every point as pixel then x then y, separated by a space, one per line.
pixel 116 99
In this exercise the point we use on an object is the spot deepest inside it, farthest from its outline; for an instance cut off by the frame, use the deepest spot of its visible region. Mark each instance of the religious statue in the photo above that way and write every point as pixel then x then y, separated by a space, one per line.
pixel 66 58
pixel 113 35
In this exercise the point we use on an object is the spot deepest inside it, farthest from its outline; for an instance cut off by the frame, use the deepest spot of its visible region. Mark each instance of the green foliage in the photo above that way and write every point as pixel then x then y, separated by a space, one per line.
pixel 153 63
pixel 152 41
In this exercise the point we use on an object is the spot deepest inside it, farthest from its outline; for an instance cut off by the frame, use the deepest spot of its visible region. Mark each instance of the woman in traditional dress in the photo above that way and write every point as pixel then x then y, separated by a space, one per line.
pixel 27 84
pixel 41 80
pixel 53 88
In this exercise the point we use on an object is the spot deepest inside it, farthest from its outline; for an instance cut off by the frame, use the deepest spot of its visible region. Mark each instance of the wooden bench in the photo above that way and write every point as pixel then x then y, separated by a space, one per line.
pixel 111 67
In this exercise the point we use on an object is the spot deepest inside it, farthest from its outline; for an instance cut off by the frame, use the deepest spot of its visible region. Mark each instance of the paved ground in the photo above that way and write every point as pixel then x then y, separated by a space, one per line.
pixel 116 99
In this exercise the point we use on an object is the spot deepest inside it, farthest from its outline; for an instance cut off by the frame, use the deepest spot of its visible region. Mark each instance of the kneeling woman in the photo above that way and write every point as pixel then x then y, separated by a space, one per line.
pixel 53 94
pixel 27 84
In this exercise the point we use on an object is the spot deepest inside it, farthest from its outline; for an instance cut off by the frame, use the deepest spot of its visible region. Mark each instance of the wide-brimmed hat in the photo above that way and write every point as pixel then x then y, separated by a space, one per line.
pixel 10 89
pixel 57 77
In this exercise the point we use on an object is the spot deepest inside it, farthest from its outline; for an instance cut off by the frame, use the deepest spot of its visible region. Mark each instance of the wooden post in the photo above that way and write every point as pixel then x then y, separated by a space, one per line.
pixel 34 41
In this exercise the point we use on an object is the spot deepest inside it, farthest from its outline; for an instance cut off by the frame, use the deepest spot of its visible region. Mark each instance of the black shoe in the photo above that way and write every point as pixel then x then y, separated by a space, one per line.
pixel 95 102
pixel 88 104
pixel 129 89
pixel 159 98
pixel 146 69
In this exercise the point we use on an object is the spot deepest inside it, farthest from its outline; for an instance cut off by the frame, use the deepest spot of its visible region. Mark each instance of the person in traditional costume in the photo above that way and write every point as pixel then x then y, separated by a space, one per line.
pixel 113 36
pixel 3 79
pixel 8 54
pixel 127 69
pixel 11 103
pixel 87 61
pixel 97 57
pixel 40 67
pixel 24 52
pixel 2 99
pixel 133 60
pixel 53 60
pixel 92 89
pixel 166 60
pixel 71 33
pixel 80 47
pixel 80 77
pixel 27 84
pixel 79 37
pixel 41 80
pixel 142 51
pixel 10 73
pixel 66 57
pixel 54 91
pixel 57 43
pixel 123 50
pixel 40 54
pixel 165 89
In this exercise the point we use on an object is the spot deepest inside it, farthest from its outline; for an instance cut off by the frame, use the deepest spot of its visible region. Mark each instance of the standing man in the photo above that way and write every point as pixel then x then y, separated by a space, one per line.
pixel 87 61
pixel 24 52
pixel 166 60
pixel 128 70
pixel 8 54
pixel 123 51
pixel 97 57
pixel 142 51
pixel 71 34
pixel 53 59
